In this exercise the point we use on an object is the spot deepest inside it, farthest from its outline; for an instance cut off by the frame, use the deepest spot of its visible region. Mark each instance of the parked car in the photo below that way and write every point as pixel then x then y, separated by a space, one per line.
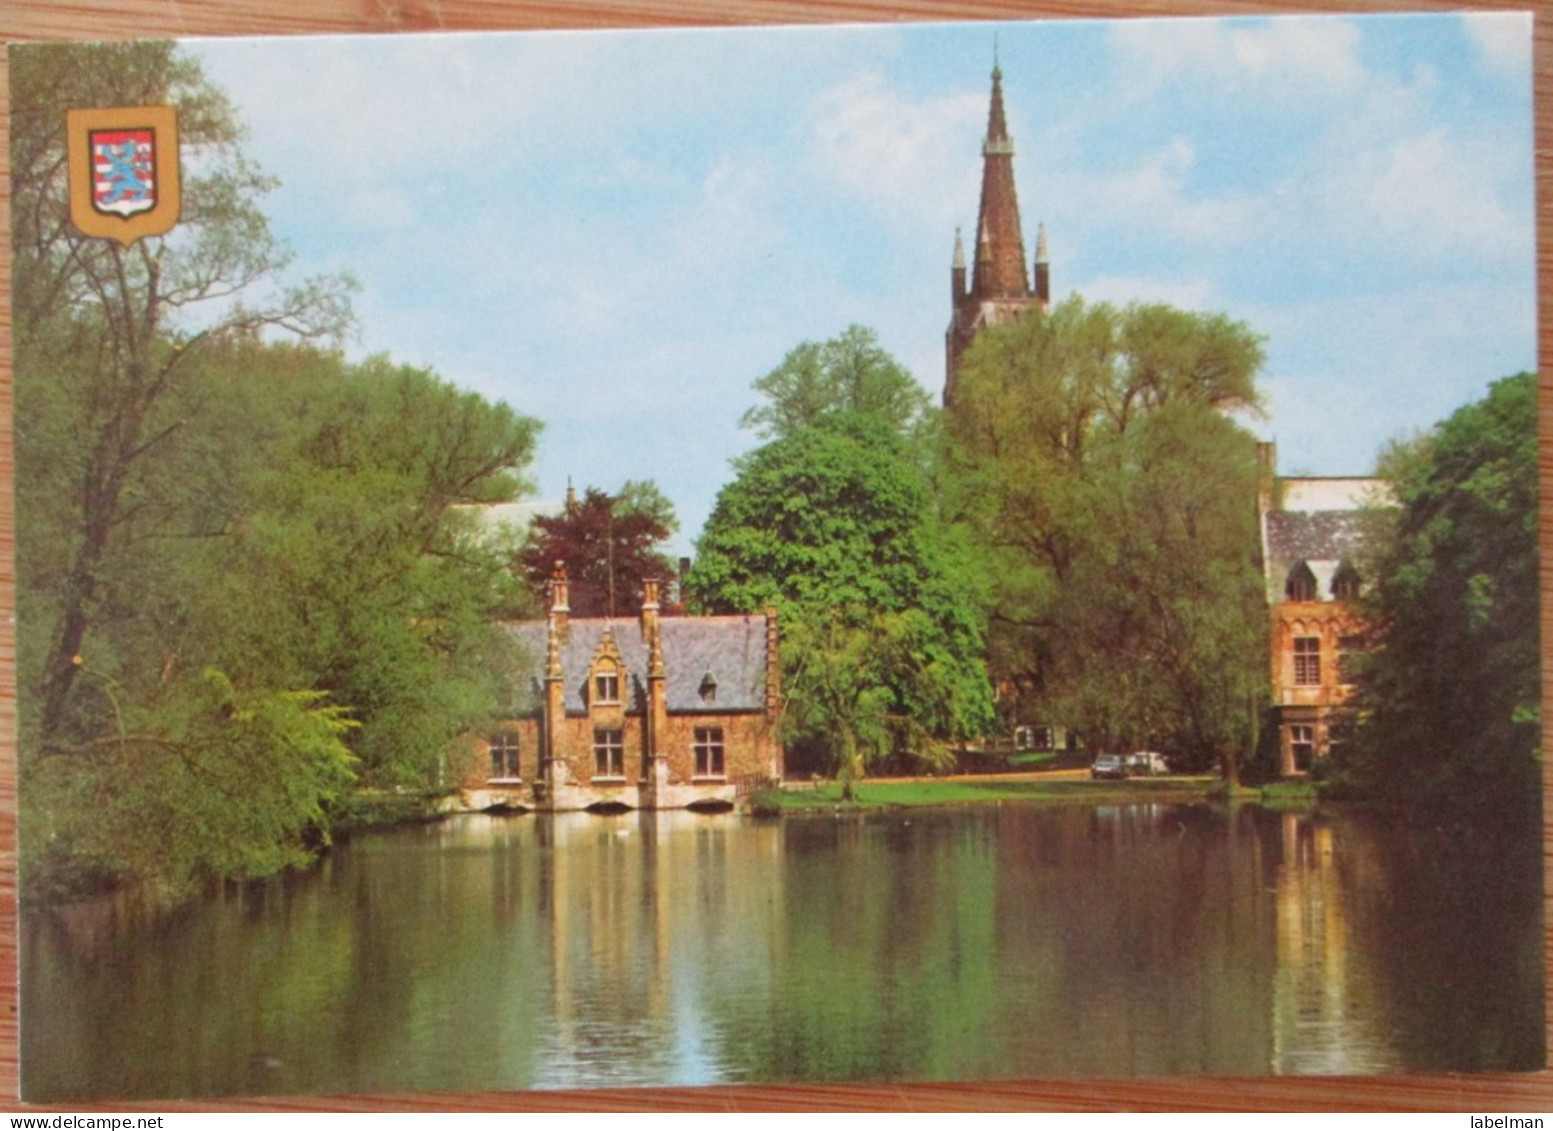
pixel 1109 766
pixel 1146 764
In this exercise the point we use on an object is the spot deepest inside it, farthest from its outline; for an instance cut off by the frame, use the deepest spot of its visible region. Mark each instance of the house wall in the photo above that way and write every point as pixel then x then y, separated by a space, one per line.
pixel 1306 710
pixel 471 768
pixel 750 746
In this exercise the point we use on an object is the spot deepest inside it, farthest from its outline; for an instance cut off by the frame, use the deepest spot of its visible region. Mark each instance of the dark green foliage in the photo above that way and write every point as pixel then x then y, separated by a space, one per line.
pixel 880 608
pixel 1449 696
pixel 1114 503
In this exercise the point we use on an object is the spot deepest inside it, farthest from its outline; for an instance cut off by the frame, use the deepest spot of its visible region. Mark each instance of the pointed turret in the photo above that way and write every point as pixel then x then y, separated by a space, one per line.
pixel 999 290
pixel 1000 252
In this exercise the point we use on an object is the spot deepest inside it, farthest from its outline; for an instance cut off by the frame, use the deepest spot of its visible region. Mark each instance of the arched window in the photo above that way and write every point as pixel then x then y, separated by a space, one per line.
pixel 1301 585
pixel 1345 583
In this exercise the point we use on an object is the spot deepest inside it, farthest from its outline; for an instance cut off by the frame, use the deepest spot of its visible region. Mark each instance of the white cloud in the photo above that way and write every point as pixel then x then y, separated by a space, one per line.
pixel 1428 183
pixel 1316 57
pixel 349 108
pixel 1503 39
pixel 1154 194
pixel 899 156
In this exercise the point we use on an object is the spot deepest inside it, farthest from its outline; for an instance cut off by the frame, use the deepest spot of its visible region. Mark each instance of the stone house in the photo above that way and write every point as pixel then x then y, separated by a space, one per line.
pixel 648 713
pixel 1312 535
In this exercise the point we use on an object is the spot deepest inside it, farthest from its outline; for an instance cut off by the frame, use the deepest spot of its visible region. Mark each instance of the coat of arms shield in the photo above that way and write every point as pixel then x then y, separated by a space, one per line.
pixel 124 171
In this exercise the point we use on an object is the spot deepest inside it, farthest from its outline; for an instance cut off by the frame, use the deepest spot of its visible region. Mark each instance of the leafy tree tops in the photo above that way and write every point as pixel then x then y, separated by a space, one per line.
pixel 850 373
pixel 610 545
pixel 1113 501
pixel 834 522
pixel 1449 698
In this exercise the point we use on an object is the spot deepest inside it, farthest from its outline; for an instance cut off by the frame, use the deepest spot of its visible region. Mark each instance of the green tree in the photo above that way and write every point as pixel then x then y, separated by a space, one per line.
pixel 882 651
pixel 297 543
pixel 245 583
pixel 611 545
pixel 122 325
pixel 850 373
pixel 1449 696
pixel 1114 502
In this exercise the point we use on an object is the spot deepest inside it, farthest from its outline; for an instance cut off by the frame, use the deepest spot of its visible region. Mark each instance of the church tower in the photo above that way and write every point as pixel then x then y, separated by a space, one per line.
pixel 999 289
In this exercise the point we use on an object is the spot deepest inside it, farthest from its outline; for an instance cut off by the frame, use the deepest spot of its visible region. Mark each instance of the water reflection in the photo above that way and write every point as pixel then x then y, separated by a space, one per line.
pixel 520 952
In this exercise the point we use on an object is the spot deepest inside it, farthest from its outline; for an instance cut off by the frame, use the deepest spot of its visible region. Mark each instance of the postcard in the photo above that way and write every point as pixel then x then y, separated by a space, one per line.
pixel 826 554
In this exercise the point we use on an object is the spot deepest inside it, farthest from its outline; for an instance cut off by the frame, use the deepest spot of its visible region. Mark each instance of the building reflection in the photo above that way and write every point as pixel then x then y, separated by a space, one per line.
pixel 645 910
pixel 1324 1004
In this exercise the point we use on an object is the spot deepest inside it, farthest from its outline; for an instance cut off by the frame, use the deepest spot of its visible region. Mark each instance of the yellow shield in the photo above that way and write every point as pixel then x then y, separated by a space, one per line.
pixel 123 171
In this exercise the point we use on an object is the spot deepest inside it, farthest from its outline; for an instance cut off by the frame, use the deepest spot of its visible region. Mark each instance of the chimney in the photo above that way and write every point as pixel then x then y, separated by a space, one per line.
pixel 559 609
pixel 1266 475
pixel 1043 270
pixel 649 610
pixel 957 272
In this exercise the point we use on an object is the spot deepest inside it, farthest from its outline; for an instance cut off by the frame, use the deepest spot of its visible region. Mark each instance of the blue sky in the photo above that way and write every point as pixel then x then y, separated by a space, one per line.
pixel 616 232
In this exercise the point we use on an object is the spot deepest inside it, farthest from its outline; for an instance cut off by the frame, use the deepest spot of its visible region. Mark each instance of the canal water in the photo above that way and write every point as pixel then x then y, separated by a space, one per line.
pixel 672 948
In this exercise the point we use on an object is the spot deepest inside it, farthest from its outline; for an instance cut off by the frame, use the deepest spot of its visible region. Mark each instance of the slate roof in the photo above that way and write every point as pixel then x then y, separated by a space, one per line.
pixel 1323 540
pixel 732 649
pixel 1312 536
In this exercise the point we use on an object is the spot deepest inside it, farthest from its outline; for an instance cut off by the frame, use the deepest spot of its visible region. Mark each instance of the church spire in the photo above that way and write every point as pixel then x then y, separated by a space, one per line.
pixel 1000 252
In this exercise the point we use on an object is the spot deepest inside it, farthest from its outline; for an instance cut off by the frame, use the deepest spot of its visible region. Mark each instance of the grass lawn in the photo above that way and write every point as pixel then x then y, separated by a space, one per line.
pixel 886 794
pixel 1295 795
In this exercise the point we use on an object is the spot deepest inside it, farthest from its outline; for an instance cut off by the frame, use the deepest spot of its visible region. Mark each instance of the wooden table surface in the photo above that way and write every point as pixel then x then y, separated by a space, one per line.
pixel 120 19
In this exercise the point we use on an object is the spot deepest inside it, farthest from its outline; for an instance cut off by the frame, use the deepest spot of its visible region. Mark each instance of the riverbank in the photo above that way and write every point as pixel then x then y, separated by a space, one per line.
pixel 912 792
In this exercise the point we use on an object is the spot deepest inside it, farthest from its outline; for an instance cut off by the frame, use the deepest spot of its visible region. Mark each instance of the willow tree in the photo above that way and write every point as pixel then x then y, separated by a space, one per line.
pixel 1094 456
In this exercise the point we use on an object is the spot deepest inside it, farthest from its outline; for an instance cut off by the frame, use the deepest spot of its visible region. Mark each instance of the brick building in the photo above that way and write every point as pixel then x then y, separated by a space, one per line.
pixel 651 713
pixel 1312 534
pixel 999 289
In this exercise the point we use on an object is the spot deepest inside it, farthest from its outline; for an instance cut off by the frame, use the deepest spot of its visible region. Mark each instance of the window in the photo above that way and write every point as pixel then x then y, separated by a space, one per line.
pixel 606 684
pixel 1033 738
pixel 1307 661
pixel 708 688
pixel 1302 744
pixel 1348 648
pixel 504 756
pixel 1301 585
pixel 1345 585
pixel 608 754
pixel 709 752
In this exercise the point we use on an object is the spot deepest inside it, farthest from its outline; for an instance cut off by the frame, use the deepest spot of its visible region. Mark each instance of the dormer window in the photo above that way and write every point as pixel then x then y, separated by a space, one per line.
pixel 606 684
pixel 1345 585
pixel 605 673
pixel 1301 585
pixel 708 688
